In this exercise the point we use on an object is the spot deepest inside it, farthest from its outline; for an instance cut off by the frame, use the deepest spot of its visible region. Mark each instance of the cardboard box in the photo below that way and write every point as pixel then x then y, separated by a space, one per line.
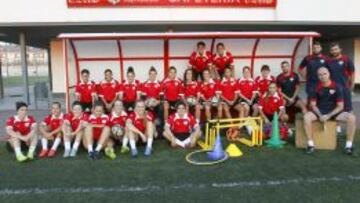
pixel 324 137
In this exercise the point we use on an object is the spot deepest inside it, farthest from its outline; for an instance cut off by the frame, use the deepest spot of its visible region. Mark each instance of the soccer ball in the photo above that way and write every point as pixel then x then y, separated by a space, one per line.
pixel 191 101
pixel 117 131
pixel 215 101
pixel 151 102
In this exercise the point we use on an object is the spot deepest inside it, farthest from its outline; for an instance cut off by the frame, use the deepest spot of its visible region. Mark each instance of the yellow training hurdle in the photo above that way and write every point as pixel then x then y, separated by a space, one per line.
pixel 214 126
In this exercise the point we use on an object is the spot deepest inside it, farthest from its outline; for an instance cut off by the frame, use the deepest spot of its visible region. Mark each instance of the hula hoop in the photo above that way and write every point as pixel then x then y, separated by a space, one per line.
pixel 204 163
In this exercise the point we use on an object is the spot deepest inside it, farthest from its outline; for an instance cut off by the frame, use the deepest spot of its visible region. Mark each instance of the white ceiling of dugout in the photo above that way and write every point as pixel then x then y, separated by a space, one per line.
pixel 98 51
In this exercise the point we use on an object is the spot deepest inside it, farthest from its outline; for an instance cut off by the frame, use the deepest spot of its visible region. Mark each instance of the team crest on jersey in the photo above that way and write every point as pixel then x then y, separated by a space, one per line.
pixel 27 124
pixel 332 91
pixel 103 121
pixel 291 79
pixel 133 88
pixel 276 100
pixel 114 1
pixel 185 122
pixel 341 63
pixel 322 61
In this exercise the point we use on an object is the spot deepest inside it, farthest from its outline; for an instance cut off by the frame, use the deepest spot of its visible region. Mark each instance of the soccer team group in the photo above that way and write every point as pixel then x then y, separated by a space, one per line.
pixel 129 113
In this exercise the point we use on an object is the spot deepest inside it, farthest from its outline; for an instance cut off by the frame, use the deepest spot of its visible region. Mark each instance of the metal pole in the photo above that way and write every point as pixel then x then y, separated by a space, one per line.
pixel 1 83
pixel 24 67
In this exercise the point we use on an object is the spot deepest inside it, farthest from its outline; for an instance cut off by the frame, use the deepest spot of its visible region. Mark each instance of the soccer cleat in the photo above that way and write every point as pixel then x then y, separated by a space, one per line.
pixel 349 150
pixel 91 156
pixel 96 154
pixel 73 153
pixel 109 152
pixel 66 153
pixel 124 150
pixel 148 151
pixel 43 153
pixel 21 158
pixel 310 149
pixel 134 152
pixel 30 155
pixel 51 153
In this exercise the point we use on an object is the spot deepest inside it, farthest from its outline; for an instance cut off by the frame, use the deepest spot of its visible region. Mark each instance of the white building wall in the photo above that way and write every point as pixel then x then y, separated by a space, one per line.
pixel 56 11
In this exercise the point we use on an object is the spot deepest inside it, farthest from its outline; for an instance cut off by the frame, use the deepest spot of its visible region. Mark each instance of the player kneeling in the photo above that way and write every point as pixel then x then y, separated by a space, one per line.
pixel 51 130
pixel 97 130
pixel 117 122
pixel 22 128
pixel 181 128
pixel 270 103
pixel 73 128
pixel 140 123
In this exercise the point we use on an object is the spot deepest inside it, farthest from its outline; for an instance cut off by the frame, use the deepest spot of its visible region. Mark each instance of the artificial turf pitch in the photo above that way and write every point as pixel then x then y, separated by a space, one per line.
pixel 261 175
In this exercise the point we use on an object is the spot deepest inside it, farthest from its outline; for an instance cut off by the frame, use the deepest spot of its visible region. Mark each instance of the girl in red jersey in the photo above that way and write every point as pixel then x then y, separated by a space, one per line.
pixel 263 81
pixel 190 89
pixel 209 94
pixel 181 128
pixel 118 118
pixel 272 102
pixel 51 129
pixel 221 60
pixel 172 91
pixel 22 128
pixel 107 90
pixel 129 90
pixel 140 125
pixel 200 60
pixel 97 131
pixel 151 91
pixel 248 94
pixel 229 93
pixel 73 128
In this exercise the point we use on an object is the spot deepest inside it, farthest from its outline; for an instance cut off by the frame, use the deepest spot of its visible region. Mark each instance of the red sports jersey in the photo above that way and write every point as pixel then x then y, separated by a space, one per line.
pixel 209 90
pixel 228 88
pixel 200 62
pixel 129 90
pixel 221 62
pixel 263 83
pixel 118 119
pixel 247 87
pixel 21 126
pixel 102 120
pixel 191 89
pixel 151 89
pixel 271 104
pixel 85 91
pixel 52 122
pixel 172 89
pixel 75 122
pixel 181 125
pixel 108 90
pixel 138 122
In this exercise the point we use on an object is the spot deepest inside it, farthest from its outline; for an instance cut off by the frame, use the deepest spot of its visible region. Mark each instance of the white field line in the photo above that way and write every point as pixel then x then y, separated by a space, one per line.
pixel 134 189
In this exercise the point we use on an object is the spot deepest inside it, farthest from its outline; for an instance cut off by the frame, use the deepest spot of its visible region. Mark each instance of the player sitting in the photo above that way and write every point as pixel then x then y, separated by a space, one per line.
pixel 20 129
pixel 327 102
pixel 181 128
pixel 229 93
pixel 209 95
pixel 97 131
pixel 51 130
pixel 73 128
pixel 118 118
pixel 190 89
pixel 140 124
pixel 270 103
